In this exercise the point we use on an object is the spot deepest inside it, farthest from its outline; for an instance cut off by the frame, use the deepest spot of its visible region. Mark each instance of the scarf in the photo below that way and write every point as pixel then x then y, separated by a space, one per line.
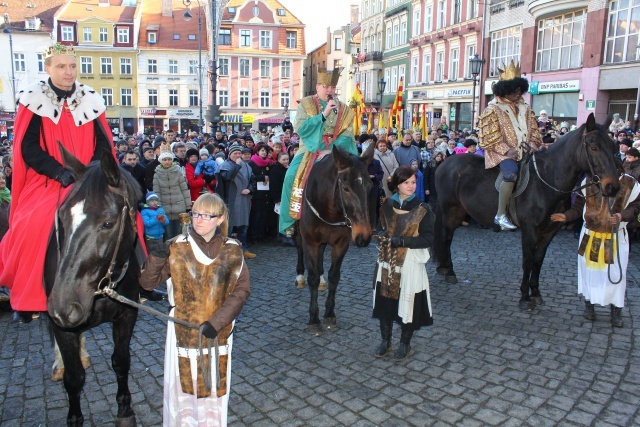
pixel 396 197
pixel 5 195
pixel 260 162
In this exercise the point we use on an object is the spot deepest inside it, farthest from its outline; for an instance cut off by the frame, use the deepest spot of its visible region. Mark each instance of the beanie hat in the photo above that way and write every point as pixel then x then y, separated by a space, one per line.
pixel 152 195
pixel 627 142
pixel 469 142
pixel 192 152
pixel 165 155
pixel 364 137
pixel 246 150
pixel 204 152
pixel 235 147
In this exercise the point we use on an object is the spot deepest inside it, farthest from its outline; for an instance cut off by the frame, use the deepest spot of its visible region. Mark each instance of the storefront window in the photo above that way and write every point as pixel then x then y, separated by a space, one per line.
pixel 558 105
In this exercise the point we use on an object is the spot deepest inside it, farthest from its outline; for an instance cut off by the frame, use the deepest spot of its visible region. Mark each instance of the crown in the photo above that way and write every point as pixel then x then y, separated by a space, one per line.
pixel 329 78
pixel 511 72
pixel 59 49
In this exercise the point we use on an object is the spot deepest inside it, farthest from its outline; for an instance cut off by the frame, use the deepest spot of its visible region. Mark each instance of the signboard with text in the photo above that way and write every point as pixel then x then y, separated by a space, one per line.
pixel 537 87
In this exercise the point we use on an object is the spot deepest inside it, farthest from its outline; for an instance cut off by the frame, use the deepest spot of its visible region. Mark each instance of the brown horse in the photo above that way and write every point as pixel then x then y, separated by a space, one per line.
pixel 335 210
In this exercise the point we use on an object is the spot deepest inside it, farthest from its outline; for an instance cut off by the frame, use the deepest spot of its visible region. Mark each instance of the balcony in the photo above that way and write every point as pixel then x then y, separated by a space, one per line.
pixel 368 56
pixel 546 8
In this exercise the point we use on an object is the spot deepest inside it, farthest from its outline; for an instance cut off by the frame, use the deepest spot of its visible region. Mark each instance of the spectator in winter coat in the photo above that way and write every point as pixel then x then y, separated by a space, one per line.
pixel 130 164
pixel 196 184
pixel 155 221
pixel 261 208
pixel 207 166
pixel 171 186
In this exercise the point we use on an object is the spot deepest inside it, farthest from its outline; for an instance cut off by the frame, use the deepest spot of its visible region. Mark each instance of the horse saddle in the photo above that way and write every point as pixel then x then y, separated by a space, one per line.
pixel 521 185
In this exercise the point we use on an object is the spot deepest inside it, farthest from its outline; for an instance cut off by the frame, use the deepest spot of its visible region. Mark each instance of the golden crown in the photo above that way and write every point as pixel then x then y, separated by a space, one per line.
pixel 329 78
pixel 511 72
pixel 59 49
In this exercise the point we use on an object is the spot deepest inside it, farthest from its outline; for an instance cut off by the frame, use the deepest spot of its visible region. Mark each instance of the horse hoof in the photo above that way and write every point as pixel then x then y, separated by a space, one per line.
pixel 330 323
pixel 57 374
pixel 86 361
pixel 129 421
pixel 300 281
pixel 322 286
pixel 315 329
pixel 451 279
pixel 537 301
pixel 525 305
pixel 300 285
pixel 441 271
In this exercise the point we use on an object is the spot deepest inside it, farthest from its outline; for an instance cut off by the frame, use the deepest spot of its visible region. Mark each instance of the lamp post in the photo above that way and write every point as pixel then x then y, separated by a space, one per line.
pixel 381 85
pixel 187 17
pixel 13 67
pixel 475 65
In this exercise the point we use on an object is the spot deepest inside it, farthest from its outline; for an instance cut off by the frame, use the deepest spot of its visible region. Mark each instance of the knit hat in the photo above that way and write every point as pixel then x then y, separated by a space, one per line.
pixel 145 149
pixel 469 142
pixel 627 142
pixel 364 137
pixel 204 152
pixel 235 147
pixel 152 195
pixel 192 152
pixel 190 145
pixel 233 137
pixel 159 140
pixel 246 150
pixel 177 144
pixel 165 152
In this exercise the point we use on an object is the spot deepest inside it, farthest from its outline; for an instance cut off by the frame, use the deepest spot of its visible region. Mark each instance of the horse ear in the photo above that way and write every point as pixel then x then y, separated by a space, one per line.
pixel 591 123
pixel 341 158
pixel 367 156
pixel 71 162
pixel 110 169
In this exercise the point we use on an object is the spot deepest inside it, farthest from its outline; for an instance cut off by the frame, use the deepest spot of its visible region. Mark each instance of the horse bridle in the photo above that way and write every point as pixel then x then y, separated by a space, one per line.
pixel 347 221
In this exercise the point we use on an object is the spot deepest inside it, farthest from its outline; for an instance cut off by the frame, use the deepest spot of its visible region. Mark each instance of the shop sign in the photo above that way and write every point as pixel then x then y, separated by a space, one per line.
pixel 147 111
pixel 452 114
pixel 237 118
pixel 7 116
pixel 537 87
pixel 590 105
pixel 458 93
pixel 419 94
pixel 183 113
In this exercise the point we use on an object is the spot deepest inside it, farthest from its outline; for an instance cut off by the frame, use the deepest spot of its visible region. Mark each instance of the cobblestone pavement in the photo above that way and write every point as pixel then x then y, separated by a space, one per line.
pixel 483 362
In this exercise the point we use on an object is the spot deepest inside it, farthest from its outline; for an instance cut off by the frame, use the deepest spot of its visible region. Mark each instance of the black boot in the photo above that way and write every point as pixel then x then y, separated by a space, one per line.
pixel 386 326
pixel 154 295
pixel 404 347
pixel 616 316
pixel 22 317
pixel 589 310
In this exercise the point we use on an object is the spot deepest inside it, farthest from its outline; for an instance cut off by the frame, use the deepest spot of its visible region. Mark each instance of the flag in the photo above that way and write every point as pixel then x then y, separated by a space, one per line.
pixel 397 107
pixel 370 120
pixel 414 118
pixel 381 124
pixel 423 122
pixel 357 105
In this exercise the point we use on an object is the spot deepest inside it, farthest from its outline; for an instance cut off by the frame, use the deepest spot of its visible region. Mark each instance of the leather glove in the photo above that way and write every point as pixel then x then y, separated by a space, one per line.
pixel 208 330
pixel 65 178
pixel 397 241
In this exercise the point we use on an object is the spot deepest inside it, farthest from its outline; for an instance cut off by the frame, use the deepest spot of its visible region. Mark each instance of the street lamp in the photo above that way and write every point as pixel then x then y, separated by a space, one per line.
pixel 381 85
pixel 13 66
pixel 475 65
pixel 187 17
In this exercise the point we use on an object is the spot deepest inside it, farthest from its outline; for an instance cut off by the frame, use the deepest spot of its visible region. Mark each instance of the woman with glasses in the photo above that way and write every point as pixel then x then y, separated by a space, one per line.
pixel 208 284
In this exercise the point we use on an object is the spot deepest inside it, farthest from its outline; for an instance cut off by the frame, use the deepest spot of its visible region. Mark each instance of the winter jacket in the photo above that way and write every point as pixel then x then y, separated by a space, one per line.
pixel 152 227
pixel 172 190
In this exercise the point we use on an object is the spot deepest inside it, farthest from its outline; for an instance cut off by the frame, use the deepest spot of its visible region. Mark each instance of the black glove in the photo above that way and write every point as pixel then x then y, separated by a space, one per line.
pixel 208 330
pixel 208 178
pixel 65 178
pixel 397 241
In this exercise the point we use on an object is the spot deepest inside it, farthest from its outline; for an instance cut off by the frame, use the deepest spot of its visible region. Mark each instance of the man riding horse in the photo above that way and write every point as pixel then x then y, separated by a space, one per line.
pixel 508 128
pixel 321 122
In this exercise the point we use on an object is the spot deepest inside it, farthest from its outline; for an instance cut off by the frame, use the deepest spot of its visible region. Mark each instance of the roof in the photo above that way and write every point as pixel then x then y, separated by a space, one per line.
pixel 18 10
pixel 167 26
pixel 287 19
pixel 79 10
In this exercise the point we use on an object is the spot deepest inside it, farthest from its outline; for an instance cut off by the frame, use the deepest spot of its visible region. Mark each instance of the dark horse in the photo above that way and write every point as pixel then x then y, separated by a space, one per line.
pixel 96 235
pixel 334 209
pixel 465 187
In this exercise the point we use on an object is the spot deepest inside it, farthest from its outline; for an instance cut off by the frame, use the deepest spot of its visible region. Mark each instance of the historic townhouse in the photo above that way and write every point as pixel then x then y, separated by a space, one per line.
pixel 445 34
pixel 370 67
pixel 260 63
pixel 170 86
pixel 26 33
pixel 105 36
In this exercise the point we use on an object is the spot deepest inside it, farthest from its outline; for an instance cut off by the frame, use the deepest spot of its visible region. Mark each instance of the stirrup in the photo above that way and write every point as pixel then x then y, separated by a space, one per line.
pixel 290 231
pixel 504 222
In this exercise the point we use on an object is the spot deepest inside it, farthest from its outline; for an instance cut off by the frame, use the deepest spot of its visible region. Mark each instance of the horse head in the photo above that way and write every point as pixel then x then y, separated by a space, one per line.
pixel 353 188
pixel 599 158
pixel 95 236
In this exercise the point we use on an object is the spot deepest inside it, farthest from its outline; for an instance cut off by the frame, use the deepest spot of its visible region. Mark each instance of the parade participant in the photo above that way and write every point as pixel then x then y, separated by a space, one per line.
pixel 401 284
pixel 322 122
pixel 213 298
pixel 603 253
pixel 58 111
pixel 508 129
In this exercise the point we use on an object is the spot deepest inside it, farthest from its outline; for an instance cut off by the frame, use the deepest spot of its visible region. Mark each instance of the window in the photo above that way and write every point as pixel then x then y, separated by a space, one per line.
pixel 471 50
pixel 396 34
pixel 415 27
pixel 414 69
pixel 152 66
pixel 173 97
pixel 265 68
pixel 107 95
pixel 285 99
pixel 40 62
pixel 105 66
pixel 67 33
pixel 265 39
pixel 152 37
pixel 153 97
pixel 557 104
pixel 285 69
pixel 176 36
pixel 245 38
pixel 387 78
pixel 86 65
pixel 454 61
pixel 86 34
pixel 224 36
pixel 337 63
pixel 439 66
pixel 338 43
pixel 394 80
pixel 125 97
pixel 244 67
pixel 232 10
pixel 193 98
pixel 623 32
pixel 265 99
pixel 401 74
pixel 173 66
pixel 282 12
pixel 426 68
pixel 292 39
pixel 457 11
pixel 442 14
pixel 428 16
pixel 389 36
pixel 505 46
pixel 561 41
pixel 191 37
pixel 472 9
pixel 193 66
pixel 256 11
pixel 103 35
pixel 244 98
pixel 223 66
pixel 123 35
pixel 125 66
pixel 403 32
pixel 19 64
pixel 223 97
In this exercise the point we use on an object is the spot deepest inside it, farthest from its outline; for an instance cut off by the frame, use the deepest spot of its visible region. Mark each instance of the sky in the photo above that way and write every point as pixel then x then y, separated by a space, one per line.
pixel 318 15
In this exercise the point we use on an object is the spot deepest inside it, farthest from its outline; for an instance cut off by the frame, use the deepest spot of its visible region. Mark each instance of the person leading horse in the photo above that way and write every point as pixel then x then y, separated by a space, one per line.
pixel 508 128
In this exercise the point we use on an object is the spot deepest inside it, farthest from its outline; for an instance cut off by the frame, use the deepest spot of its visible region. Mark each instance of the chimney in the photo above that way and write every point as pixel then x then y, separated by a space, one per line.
pixel 355 15
pixel 167 8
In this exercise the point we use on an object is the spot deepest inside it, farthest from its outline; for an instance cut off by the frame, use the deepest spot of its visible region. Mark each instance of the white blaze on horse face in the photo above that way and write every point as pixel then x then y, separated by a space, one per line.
pixel 77 216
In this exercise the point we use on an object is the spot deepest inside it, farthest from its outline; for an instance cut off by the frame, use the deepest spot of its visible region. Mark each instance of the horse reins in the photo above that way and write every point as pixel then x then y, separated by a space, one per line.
pixel 347 222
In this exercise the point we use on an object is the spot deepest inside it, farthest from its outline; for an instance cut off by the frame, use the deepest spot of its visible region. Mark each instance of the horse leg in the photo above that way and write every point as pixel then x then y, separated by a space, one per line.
pixel 74 375
pixel 540 253
pixel 57 370
pixel 338 251
pixel 528 248
pixel 313 262
pixel 300 283
pixel 121 362
pixel 447 268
